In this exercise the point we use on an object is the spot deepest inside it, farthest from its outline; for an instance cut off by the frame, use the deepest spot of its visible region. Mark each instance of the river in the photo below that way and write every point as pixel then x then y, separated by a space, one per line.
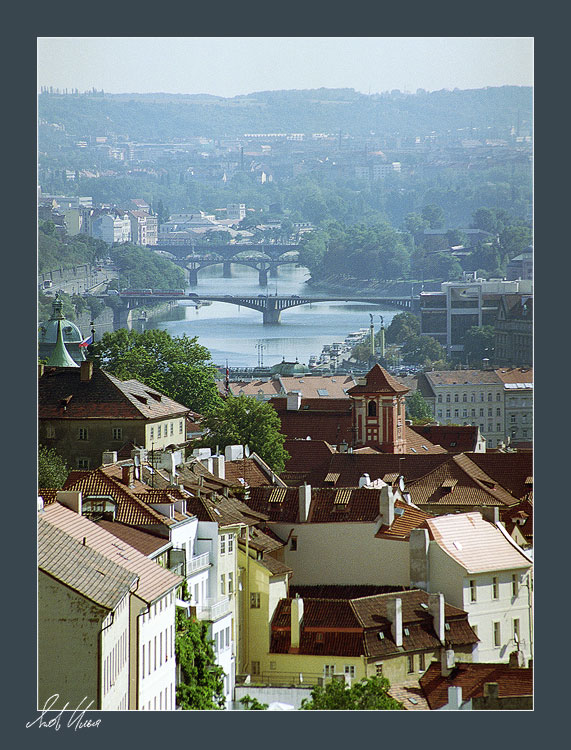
pixel 236 334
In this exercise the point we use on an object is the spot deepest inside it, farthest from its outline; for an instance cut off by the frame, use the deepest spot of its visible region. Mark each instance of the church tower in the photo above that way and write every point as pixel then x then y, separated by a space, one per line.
pixel 379 411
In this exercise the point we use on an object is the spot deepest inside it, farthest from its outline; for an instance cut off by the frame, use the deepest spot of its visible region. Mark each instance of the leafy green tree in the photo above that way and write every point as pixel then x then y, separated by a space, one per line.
pixel 52 469
pixel 403 326
pixel 140 268
pixel 421 350
pixel 417 408
pixel 176 366
pixel 202 681
pixel 479 344
pixel 433 215
pixel 243 420
pixel 252 704
pixel 368 695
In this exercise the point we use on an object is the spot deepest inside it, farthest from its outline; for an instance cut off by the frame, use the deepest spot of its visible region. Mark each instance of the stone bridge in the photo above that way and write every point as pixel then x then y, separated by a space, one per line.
pixel 271 306
pixel 265 258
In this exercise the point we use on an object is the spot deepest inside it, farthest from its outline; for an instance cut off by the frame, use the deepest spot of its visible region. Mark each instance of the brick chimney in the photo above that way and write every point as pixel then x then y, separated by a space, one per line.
pixel 86 371
pixel 394 615
pixel 296 617
pixel 304 502
pixel 436 609
pixel 69 499
pixel 128 475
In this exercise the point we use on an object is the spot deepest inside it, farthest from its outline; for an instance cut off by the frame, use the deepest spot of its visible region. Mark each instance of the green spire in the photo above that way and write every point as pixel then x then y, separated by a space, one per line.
pixel 60 357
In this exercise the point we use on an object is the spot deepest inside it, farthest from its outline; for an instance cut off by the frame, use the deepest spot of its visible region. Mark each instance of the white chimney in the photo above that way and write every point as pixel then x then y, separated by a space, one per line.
pixel 293 401
pixel 296 617
pixel 387 505
pixel 455 697
pixel 40 504
pixel 419 562
pixel 365 479
pixel 109 457
pixel 234 452
pixel 304 502
pixel 436 609
pixel 446 662
pixel 394 615
pixel 219 467
pixel 69 499
pixel 491 514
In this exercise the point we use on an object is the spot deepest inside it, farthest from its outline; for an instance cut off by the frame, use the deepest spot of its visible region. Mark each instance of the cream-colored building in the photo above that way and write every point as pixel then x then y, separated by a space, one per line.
pixel 479 568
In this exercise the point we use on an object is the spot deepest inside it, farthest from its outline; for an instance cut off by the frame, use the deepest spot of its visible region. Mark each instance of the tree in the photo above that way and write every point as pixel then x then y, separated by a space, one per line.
pixel 252 704
pixel 434 215
pixel 421 350
pixel 403 326
pixel 201 686
pixel 367 695
pixel 176 366
pixel 52 469
pixel 479 343
pixel 243 420
pixel 417 408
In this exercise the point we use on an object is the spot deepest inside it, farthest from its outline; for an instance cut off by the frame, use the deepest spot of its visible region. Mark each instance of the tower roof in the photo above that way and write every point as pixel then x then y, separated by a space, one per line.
pixel 378 380
pixel 60 356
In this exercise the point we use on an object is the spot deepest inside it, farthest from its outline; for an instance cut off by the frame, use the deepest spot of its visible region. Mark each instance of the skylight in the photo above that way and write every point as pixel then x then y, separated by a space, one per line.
pixel 323 391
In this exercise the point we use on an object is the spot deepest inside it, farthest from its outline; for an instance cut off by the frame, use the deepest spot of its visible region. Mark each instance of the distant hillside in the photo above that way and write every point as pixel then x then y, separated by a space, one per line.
pixel 165 116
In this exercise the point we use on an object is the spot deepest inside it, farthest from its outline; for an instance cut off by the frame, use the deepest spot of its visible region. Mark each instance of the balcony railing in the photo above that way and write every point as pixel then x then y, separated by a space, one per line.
pixel 198 562
pixel 213 610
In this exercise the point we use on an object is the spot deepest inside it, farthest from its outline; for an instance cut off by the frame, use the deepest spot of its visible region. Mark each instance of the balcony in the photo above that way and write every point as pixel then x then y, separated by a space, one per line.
pixel 198 563
pixel 213 610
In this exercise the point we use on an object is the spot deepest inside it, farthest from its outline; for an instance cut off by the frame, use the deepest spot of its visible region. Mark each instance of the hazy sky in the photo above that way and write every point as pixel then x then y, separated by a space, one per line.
pixel 228 66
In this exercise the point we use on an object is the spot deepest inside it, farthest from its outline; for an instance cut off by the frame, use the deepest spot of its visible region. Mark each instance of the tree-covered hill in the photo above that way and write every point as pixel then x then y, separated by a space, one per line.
pixel 161 116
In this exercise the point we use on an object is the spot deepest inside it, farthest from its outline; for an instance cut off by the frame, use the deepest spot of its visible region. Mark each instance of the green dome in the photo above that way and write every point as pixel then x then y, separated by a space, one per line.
pixel 289 368
pixel 48 333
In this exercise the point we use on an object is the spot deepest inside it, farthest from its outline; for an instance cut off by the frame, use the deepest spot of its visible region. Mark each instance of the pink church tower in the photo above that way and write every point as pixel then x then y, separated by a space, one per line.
pixel 379 411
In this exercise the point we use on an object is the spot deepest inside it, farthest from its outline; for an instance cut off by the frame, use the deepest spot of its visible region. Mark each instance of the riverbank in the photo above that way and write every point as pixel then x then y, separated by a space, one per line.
pixel 392 288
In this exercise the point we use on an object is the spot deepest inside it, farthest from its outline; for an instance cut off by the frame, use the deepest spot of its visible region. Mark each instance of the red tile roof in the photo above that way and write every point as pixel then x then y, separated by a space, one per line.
pixel 520 514
pixel 378 380
pixel 147 544
pixel 453 438
pixel 512 470
pixel 471 677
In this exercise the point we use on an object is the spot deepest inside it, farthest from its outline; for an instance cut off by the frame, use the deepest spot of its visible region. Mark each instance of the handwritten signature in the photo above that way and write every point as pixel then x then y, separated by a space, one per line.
pixel 76 720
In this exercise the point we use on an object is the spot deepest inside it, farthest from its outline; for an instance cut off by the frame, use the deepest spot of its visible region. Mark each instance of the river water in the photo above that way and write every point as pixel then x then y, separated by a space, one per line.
pixel 236 335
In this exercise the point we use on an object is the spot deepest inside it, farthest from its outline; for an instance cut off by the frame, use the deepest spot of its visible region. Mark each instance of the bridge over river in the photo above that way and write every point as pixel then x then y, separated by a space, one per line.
pixel 271 306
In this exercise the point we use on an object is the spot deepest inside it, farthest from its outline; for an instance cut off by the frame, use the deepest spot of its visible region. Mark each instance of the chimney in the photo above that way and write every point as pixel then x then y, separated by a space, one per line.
pixel 71 500
pixel 234 452
pixel 293 401
pixel 128 475
pixel 109 457
pixel 387 505
pixel 342 448
pixel 296 617
pixel 436 609
pixel 365 479
pixel 455 697
pixel 491 514
pixel 446 662
pixel 394 615
pixel 219 467
pixel 516 660
pixel 304 502
pixel 86 371
pixel 418 549
pixel 40 504
pixel 491 690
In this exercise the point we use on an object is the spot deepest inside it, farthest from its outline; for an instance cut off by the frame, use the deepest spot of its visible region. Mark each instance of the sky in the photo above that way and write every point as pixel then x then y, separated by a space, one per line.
pixel 231 66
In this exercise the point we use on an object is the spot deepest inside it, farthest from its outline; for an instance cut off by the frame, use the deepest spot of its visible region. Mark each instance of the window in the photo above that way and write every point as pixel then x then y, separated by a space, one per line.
pixel 472 397
pixel 293 543
pixel 481 412
pixel 490 426
pixel 372 411
pixel 172 428
pixel 152 433
pixel 498 397
pixel 439 412
pixel 50 431
pixel 159 429
pixel 447 412
pixel 223 544
pixel 195 593
pixel 216 643
pixel 350 670
pixel 255 667
pixel 497 634
pixel 223 583
pixel 83 463
pixel 329 670
pixel 439 398
pixel 464 397
pixel 410 663
pixel 421 663
pixel 516 631
pixel 117 433
pixel 227 631
pixel 495 588
pixel 498 427
pixel 83 434
pixel 456 398
pixel 473 413
pixel 255 600
pixel 490 412
pixel 455 412
pixel 472 591
pixel 447 398
pixel 379 669
pixel 319 637
pixel 464 412
pixel 489 396
pixel 230 543
pixel 230 583
pixel 180 427
pixel 498 412
pixel 515 585
pixel 272 666
pixel 512 418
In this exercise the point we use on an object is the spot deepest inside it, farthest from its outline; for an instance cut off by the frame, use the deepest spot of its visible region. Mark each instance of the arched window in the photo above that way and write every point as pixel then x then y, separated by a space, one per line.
pixel 372 409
